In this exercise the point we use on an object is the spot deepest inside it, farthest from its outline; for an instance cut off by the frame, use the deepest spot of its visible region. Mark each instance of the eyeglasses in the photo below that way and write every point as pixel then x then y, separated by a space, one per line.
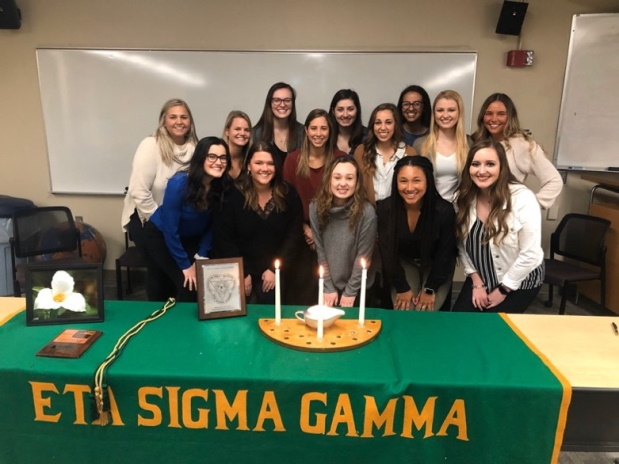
pixel 416 104
pixel 279 101
pixel 211 158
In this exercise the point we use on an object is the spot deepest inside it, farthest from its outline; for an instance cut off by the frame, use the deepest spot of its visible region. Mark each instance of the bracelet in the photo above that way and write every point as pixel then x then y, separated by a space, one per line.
pixel 475 287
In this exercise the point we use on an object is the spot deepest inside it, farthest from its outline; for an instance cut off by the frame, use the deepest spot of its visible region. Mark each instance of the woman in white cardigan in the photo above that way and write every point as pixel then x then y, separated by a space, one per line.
pixel 498 225
pixel 498 120
pixel 157 158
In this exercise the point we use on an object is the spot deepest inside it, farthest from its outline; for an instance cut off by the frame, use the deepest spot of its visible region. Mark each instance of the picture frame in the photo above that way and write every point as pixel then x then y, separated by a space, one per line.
pixel 221 289
pixel 68 293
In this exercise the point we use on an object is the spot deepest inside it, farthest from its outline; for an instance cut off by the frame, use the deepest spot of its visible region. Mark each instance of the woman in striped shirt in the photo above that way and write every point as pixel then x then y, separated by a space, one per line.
pixel 498 224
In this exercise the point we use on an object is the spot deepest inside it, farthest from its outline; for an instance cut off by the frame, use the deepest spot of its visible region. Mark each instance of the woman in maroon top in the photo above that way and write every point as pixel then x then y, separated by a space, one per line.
pixel 304 169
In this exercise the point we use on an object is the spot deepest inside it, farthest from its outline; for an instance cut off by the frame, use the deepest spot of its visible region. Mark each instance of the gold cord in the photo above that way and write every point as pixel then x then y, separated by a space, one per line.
pixel 101 404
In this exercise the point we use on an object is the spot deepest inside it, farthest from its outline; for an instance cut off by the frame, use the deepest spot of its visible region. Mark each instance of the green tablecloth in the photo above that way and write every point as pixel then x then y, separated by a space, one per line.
pixel 433 388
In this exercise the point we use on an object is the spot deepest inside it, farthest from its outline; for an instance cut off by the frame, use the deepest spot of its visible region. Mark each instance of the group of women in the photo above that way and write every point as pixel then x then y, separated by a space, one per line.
pixel 403 198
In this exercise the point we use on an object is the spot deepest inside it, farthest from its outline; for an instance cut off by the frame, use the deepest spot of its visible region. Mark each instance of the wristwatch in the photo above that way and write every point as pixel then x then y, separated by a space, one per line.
pixel 428 291
pixel 503 289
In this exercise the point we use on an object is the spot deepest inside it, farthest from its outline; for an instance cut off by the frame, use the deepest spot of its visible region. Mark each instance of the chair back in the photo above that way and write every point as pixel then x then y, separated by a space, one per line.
pixel 580 237
pixel 45 230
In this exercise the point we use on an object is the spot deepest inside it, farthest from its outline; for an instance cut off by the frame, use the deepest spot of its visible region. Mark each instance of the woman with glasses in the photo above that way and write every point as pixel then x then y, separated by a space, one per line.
pixel 414 106
pixel 260 221
pixel 237 134
pixel 157 159
pixel 498 120
pixel 382 148
pixel 278 124
pixel 447 144
pixel 181 229
pixel 345 113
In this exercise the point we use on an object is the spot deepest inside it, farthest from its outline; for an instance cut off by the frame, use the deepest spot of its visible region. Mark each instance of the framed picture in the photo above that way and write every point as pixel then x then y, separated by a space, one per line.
pixel 64 293
pixel 221 288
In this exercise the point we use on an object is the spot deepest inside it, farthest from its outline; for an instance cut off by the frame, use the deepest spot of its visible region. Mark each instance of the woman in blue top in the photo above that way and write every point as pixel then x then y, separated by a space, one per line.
pixel 181 228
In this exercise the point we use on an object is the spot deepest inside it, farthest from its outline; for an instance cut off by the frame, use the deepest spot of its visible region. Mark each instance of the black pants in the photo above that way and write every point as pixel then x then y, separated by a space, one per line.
pixel 164 278
pixel 517 301
pixel 301 278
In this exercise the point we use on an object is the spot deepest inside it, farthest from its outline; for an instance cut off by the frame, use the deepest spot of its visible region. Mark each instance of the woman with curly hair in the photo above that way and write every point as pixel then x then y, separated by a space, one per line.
pixel 382 148
pixel 344 227
pixel 498 225
pixel 415 107
pixel 181 229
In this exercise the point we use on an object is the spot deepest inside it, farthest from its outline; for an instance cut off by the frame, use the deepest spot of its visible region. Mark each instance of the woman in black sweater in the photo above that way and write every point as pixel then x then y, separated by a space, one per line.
pixel 261 221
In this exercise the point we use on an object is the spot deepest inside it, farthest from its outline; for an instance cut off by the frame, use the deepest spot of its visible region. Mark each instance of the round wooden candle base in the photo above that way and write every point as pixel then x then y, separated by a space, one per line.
pixel 344 334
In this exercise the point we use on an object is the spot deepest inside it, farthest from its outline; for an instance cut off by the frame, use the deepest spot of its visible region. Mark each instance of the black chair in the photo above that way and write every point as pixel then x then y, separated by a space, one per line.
pixel 131 258
pixel 580 238
pixel 41 235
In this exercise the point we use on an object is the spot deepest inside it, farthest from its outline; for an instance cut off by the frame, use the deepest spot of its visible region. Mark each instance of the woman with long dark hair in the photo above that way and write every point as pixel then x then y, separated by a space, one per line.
pixel 260 221
pixel 345 113
pixel 304 170
pixel 498 121
pixel 414 106
pixel 278 124
pixel 344 227
pixel 181 229
pixel 382 147
pixel 417 238
pixel 157 158
pixel 499 226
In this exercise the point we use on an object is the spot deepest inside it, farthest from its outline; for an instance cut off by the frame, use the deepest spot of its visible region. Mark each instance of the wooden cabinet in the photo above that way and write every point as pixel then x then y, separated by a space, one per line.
pixel 591 290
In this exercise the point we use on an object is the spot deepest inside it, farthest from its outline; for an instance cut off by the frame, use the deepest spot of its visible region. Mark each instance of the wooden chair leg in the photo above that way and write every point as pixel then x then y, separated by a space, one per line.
pixel 603 292
pixel 129 288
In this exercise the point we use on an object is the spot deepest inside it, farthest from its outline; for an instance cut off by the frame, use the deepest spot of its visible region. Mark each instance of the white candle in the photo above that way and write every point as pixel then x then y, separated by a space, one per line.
pixel 321 328
pixel 364 278
pixel 278 296
pixel 321 284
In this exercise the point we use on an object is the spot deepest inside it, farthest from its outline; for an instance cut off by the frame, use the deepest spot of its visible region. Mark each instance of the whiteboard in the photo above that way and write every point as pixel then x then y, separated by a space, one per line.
pixel 99 104
pixel 588 130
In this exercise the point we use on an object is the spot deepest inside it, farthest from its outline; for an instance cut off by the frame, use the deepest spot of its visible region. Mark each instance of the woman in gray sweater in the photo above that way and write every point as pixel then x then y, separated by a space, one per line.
pixel 344 227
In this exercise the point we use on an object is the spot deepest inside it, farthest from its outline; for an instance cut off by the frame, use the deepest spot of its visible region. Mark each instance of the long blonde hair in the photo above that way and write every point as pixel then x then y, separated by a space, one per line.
pixel 164 141
pixel 303 167
pixel 428 149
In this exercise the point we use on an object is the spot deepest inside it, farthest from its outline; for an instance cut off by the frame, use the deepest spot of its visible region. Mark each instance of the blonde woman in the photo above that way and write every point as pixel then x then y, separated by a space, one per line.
pixel 498 120
pixel 237 134
pixel 157 158
pixel 447 143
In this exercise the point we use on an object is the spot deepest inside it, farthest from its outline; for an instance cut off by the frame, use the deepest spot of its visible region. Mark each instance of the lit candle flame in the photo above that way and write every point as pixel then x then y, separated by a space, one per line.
pixel 321 272
pixel 363 263
pixel 277 264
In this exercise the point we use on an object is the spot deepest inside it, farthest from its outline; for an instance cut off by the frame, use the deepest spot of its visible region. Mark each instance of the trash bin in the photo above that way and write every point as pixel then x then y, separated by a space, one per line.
pixel 8 205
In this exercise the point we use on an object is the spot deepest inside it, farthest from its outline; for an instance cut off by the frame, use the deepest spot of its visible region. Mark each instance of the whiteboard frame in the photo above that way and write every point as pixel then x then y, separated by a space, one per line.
pixel 57 113
pixel 597 141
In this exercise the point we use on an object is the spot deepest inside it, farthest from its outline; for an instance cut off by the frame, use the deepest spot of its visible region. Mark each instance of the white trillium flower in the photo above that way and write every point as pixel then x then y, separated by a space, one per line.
pixel 61 295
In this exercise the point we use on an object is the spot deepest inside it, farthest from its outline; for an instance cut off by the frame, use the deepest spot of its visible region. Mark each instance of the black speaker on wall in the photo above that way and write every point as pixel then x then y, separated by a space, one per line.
pixel 10 15
pixel 511 18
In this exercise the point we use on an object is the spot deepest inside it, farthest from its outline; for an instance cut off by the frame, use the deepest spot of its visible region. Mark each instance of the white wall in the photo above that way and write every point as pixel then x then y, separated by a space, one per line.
pixel 392 25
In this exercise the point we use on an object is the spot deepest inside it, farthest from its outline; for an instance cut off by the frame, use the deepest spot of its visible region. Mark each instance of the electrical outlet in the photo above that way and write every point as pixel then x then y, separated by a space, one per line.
pixel 553 213
pixel 79 218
